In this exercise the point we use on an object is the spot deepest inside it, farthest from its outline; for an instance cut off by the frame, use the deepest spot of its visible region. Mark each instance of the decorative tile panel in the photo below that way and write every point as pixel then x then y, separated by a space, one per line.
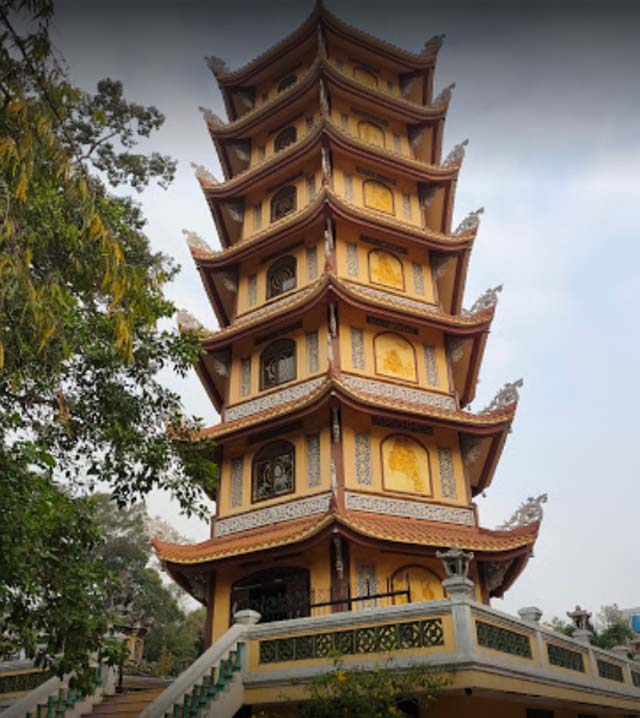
pixel 352 260
pixel 363 458
pixel 311 187
pixel 366 583
pixel 356 641
pixel 262 153
pixel 406 206
pixel 394 391
pixel 240 411
pixel 447 480
pixel 348 187
pixel 236 481
pixel 273 515
pixel 503 640
pixel 357 348
pixel 408 509
pixel 395 299
pixel 312 352
pixel 397 146
pixel 257 217
pixel 313 460
pixel 635 677
pixel 611 671
pixel 344 122
pixel 565 658
pixel 418 278
pixel 312 262
pixel 431 365
pixel 253 290
pixel 245 376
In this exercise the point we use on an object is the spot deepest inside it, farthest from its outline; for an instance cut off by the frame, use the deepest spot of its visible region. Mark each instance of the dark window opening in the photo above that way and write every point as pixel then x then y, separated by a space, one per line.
pixel 281 276
pixel 285 138
pixel 283 202
pixel 287 82
pixel 278 363
pixel 273 470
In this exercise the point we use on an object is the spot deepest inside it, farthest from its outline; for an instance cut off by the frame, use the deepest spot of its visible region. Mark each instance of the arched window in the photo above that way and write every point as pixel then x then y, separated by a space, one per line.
pixel 273 470
pixel 405 465
pixel 370 132
pixel 421 583
pixel 366 76
pixel 285 138
pixel 395 357
pixel 386 269
pixel 287 82
pixel 281 276
pixel 283 202
pixel 378 196
pixel 278 363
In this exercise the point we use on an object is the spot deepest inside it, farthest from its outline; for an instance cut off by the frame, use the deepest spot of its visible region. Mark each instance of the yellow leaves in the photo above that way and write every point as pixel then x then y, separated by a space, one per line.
pixel 123 338
pixel 21 189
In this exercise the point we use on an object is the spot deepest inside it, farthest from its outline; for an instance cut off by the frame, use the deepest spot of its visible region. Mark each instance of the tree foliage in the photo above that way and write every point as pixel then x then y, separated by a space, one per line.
pixel 383 692
pixel 82 341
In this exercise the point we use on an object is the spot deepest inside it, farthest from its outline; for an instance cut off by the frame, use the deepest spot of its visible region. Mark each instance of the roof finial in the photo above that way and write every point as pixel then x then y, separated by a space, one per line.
pixel 456 155
pixel 217 65
pixel 195 241
pixel 187 321
pixel 507 396
pixel 202 173
pixel 486 300
pixel 445 95
pixel 210 117
pixel 433 44
pixel 529 512
pixel 470 223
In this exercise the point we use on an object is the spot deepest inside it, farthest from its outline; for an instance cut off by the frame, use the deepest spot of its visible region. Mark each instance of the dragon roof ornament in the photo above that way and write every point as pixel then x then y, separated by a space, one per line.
pixel 445 95
pixel 485 301
pixel 216 64
pixel 187 321
pixel 202 173
pixel 433 44
pixel 507 396
pixel 195 241
pixel 456 155
pixel 210 117
pixel 529 512
pixel 470 222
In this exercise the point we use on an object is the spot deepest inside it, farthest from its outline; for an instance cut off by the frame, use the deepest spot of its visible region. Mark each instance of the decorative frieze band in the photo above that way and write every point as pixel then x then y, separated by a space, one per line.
pixel 403 393
pixel 274 514
pixel 240 411
pixel 409 509
pixel 394 299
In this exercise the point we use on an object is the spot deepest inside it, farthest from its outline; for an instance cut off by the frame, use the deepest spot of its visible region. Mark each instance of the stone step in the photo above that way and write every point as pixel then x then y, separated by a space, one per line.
pixel 124 705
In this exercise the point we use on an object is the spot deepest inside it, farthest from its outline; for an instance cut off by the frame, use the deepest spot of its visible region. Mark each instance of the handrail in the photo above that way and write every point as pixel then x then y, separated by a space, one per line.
pixel 195 672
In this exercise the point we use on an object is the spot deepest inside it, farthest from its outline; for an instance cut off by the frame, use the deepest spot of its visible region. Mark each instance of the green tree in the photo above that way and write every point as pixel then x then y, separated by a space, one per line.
pixel 383 692
pixel 81 343
pixel 613 628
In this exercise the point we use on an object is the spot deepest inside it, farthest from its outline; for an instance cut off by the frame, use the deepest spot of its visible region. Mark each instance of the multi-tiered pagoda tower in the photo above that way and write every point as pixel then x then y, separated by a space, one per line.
pixel 344 360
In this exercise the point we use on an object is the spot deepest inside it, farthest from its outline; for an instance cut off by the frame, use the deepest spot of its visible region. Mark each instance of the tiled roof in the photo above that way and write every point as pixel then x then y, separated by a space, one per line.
pixel 386 528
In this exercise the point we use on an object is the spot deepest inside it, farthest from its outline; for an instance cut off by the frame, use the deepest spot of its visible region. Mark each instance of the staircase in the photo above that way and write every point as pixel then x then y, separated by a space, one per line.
pixel 124 705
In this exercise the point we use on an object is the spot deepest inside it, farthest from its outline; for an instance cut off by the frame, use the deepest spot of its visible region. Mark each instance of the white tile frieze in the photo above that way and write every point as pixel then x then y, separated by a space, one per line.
pixel 408 509
pixel 272 515
pixel 276 398
pixel 403 393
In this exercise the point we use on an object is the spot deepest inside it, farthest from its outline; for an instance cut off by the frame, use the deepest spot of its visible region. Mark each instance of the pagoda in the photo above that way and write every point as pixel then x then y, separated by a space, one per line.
pixel 344 363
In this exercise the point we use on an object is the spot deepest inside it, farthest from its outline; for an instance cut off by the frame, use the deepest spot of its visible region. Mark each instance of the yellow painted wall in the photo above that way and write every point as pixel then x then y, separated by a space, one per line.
pixel 315 559
pixel 379 355
pixel 258 268
pixel 343 59
pixel 268 90
pixel 353 422
pixel 301 486
pixel 344 166
pixel 261 198
pixel 391 129
pixel 349 235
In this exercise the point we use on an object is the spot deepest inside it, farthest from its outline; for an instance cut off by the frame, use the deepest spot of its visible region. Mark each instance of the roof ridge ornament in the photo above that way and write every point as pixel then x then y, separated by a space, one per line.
pixel 210 117
pixel 487 300
pixel 529 512
pixel 433 44
pixel 195 241
pixel 507 396
pixel 470 223
pixel 445 96
pixel 186 321
pixel 216 64
pixel 456 155
pixel 202 173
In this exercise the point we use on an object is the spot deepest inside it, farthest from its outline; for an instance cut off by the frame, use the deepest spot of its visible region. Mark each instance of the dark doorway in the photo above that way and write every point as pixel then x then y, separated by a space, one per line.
pixel 276 594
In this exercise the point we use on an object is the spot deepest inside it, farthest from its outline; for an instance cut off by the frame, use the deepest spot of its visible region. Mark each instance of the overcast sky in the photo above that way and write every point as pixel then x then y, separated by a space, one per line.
pixel 548 94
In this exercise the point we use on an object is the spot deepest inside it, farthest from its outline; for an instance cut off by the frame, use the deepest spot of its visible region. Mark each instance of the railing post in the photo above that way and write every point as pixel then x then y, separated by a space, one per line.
pixel 461 591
